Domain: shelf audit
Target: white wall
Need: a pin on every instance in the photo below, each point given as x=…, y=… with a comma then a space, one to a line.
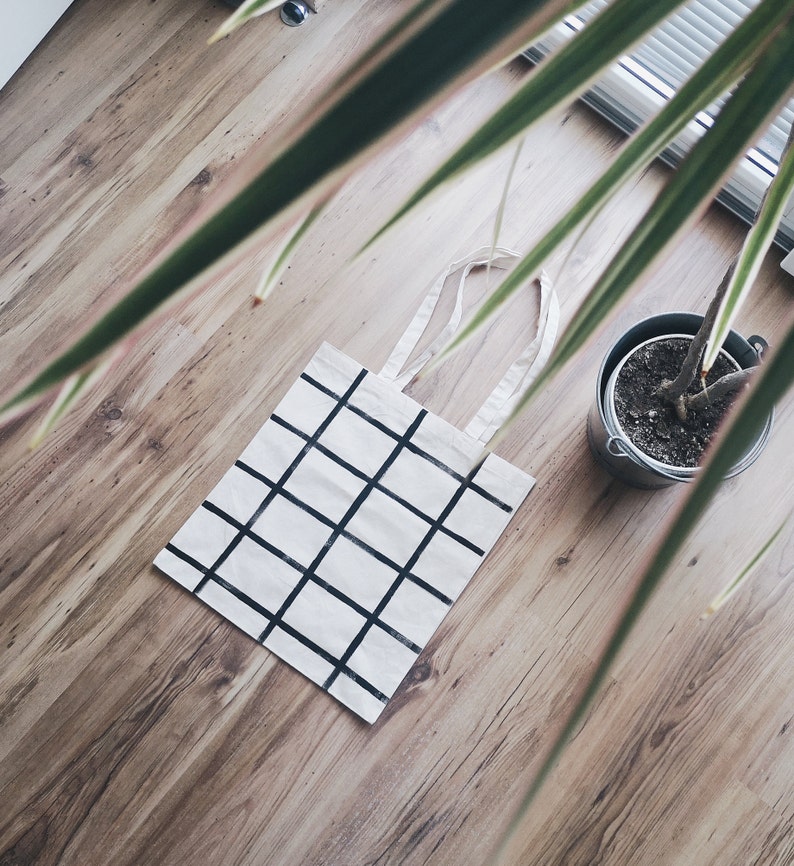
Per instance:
x=25, y=23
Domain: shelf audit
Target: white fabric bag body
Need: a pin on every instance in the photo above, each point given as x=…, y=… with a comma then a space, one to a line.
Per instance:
x=351, y=522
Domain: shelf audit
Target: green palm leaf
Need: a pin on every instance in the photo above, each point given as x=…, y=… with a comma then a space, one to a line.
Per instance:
x=717, y=74
x=73, y=390
x=250, y=9
x=500, y=210
x=756, y=244
x=555, y=82
x=733, y=587
x=273, y=273
x=681, y=201
x=462, y=40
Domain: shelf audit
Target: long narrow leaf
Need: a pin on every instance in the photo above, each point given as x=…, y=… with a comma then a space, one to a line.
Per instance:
x=736, y=583
x=756, y=244
x=274, y=272
x=72, y=391
x=250, y=9
x=462, y=41
x=500, y=210
x=682, y=200
x=557, y=81
x=714, y=77
x=776, y=378
x=400, y=32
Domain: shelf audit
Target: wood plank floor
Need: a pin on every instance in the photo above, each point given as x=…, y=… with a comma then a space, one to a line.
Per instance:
x=138, y=727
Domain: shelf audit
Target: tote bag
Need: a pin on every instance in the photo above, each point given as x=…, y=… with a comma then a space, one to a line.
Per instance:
x=352, y=521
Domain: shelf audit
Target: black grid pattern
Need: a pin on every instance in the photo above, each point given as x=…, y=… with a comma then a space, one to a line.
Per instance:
x=368, y=618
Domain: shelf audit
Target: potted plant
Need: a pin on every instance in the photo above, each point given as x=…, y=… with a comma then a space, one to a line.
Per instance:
x=653, y=416
x=667, y=383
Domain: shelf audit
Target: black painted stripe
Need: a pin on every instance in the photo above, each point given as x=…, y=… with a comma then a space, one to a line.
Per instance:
x=324, y=519
x=355, y=643
x=285, y=476
x=420, y=452
x=346, y=518
x=460, y=539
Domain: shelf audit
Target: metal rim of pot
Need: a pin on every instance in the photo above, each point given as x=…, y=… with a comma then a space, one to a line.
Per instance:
x=631, y=465
x=620, y=444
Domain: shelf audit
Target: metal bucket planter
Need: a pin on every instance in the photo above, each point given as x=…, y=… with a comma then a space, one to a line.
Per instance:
x=610, y=446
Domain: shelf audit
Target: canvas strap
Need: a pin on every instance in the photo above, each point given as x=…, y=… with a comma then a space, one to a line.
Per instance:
x=505, y=396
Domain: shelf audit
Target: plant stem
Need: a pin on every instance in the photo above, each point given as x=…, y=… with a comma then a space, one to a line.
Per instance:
x=674, y=390
x=725, y=385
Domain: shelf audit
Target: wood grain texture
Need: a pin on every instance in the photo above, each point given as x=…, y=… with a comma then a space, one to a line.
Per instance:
x=138, y=727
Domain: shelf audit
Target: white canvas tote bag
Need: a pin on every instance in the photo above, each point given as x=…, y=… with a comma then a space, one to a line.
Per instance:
x=348, y=526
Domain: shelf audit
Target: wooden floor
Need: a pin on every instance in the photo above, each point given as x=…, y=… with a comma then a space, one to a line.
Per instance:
x=136, y=727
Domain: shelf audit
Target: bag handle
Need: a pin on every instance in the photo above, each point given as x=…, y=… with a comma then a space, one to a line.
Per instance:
x=503, y=399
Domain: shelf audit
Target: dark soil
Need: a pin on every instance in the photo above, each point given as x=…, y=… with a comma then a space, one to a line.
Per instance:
x=651, y=423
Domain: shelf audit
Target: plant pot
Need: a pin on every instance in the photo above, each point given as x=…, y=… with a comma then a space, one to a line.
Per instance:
x=610, y=445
